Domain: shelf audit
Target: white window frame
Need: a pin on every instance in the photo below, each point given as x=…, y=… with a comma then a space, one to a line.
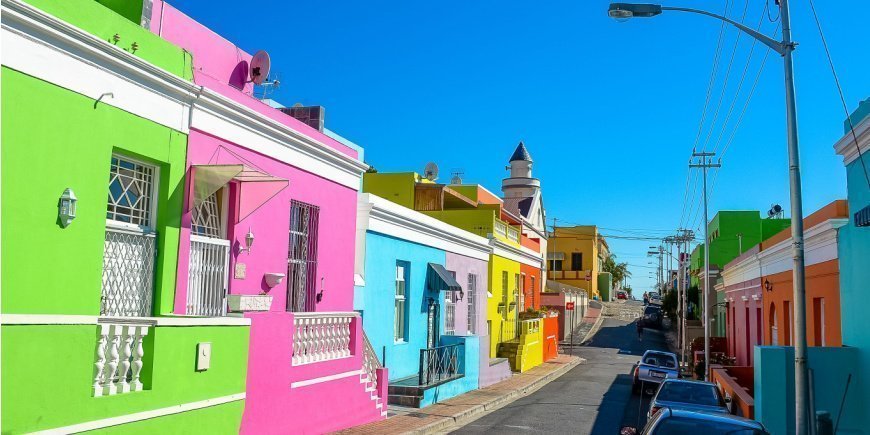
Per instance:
x=222, y=197
x=400, y=334
x=471, y=296
x=152, y=209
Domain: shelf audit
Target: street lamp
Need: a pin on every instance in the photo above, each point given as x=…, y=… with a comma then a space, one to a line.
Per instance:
x=624, y=11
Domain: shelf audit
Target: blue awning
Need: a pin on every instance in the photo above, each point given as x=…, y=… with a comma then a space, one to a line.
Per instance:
x=442, y=279
x=862, y=217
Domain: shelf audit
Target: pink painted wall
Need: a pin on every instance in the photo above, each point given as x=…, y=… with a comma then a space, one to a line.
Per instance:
x=463, y=266
x=736, y=329
x=222, y=66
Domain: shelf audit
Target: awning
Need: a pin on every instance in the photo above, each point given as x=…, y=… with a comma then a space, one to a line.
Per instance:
x=441, y=279
x=555, y=255
x=255, y=187
x=862, y=217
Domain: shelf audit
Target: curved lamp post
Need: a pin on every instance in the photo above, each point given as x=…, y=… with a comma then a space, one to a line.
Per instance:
x=624, y=11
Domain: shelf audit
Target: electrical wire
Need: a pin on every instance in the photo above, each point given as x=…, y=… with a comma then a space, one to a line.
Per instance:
x=839, y=90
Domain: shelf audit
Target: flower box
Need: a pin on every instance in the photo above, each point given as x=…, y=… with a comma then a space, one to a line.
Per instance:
x=240, y=303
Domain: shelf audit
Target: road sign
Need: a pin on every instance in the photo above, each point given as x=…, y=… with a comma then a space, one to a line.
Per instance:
x=589, y=276
x=569, y=306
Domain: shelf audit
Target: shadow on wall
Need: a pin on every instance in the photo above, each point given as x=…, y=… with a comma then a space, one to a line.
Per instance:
x=239, y=76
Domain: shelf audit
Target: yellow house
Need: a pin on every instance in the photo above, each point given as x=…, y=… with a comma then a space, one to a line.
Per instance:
x=576, y=257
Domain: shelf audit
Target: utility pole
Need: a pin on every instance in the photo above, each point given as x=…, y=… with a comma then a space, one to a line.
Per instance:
x=705, y=162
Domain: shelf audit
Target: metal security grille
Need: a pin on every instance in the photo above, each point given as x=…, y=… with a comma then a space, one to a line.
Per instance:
x=302, y=258
x=207, y=276
x=130, y=192
x=450, y=314
x=439, y=364
x=128, y=273
x=471, y=295
x=206, y=219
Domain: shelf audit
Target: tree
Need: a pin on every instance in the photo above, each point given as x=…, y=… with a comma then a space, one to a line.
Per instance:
x=619, y=271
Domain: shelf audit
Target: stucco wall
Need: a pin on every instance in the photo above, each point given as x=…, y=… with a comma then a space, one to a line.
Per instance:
x=745, y=327
x=403, y=358
x=495, y=316
x=469, y=361
x=822, y=281
x=464, y=266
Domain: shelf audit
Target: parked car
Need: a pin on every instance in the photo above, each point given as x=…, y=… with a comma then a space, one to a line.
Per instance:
x=687, y=394
x=654, y=298
x=652, y=316
x=622, y=295
x=670, y=421
x=654, y=367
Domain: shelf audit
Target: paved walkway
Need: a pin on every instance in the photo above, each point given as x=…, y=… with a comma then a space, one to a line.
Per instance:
x=464, y=408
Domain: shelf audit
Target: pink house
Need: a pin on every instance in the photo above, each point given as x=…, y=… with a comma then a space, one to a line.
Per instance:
x=268, y=232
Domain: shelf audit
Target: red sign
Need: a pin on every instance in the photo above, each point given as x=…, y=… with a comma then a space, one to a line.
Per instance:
x=569, y=306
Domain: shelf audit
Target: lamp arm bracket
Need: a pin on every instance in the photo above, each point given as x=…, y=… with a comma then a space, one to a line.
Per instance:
x=777, y=46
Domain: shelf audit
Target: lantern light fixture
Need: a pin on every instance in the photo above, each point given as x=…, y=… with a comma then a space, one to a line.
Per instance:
x=67, y=207
x=249, y=241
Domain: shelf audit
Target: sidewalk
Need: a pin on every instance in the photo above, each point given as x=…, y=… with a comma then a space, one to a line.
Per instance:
x=591, y=321
x=469, y=406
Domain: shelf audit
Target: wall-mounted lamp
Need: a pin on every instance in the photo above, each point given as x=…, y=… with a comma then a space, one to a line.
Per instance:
x=66, y=209
x=768, y=286
x=249, y=241
x=319, y=296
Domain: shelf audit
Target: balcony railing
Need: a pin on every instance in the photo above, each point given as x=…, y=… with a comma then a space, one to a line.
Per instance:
x=370, y=361
x=439, y=364
x=513, y=234
x=207, y=277
x=509, y=330
x=119, y=357
x=530, y=326
x=321, y=337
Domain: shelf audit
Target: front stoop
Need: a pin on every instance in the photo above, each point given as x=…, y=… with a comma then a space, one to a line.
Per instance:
x=370, y=386
x=462, y=409
x=405, y=392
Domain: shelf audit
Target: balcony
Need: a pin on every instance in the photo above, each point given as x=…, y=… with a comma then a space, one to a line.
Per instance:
x=501, y=230
x=568, y=274
x=319, y=337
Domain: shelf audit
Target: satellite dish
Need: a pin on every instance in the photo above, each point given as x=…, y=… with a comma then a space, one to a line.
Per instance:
x=431, y=171
x=260, y=64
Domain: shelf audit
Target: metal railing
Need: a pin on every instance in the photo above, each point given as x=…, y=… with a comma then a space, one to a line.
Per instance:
x=321, y=336
x=128, y=273
x=207, y=276
x=438, y=364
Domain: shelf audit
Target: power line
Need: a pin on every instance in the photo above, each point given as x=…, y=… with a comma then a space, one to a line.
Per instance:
x=840, y=91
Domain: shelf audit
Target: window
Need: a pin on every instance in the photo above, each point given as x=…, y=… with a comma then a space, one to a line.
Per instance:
x=400, y=305
x=302, y=258
x=450, y=310
x=130, y=243
x=521, y=302
x=576, y=261
x=819, y=321
x=207, y=219
x=471, y=298
x=556, y=265
x=209, y=258
x=533, y=291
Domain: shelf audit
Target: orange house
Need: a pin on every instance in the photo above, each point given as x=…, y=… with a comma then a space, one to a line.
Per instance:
x=822, y=271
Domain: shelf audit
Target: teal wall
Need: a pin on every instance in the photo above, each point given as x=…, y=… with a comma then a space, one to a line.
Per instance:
x=854, y=252
x=469, y=363
x=831, y=366
x=402, y=359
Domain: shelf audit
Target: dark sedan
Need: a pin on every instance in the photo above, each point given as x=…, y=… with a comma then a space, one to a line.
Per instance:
x=687, y=394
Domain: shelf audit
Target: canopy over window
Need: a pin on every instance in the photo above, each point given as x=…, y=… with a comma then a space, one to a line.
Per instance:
x=862, y=217
x=255, y=187
x=442, y=279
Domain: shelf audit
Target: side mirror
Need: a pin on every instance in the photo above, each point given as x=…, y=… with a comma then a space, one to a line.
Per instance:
x=628, y=430
x=727, y=399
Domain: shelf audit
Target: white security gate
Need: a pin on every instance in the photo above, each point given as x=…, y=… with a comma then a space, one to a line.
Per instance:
x=207, y=278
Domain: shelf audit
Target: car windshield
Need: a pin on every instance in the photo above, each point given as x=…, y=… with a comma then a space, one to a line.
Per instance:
x=694, y=426
x=689, y=392
x=661, y=360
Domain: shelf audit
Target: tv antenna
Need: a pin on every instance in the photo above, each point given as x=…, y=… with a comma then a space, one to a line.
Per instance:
x=457, y=176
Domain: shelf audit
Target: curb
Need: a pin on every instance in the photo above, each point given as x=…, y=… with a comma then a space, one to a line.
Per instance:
x=478, y=411
x=594, y=328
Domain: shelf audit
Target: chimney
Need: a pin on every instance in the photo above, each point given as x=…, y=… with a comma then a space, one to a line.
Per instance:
x=311, y=115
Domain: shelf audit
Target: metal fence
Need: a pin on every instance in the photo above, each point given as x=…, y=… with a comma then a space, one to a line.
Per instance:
x=207, y=276
x=128, y=273
x=438, y=364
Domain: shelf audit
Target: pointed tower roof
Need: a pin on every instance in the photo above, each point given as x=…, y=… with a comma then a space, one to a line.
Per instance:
x=521, y=153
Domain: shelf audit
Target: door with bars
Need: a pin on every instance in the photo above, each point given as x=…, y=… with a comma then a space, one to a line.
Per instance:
x=302, y=257
x=209, y=258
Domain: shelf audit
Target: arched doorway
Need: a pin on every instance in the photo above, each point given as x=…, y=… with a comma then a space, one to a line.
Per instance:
x=773, y=325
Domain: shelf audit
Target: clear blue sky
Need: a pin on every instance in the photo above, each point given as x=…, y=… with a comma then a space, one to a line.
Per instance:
x=609, y=111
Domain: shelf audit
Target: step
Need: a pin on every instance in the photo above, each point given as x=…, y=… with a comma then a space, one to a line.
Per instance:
x=405, y=400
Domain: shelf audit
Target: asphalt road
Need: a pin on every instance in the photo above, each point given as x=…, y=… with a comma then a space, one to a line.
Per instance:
x=592, y=398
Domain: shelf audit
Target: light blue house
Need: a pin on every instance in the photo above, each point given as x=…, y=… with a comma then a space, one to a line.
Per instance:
x=415, y=311
x=839, y=374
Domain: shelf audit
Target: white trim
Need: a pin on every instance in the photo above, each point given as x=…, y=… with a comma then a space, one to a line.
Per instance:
x=323, y=379
x=746, y=270
x=846, y=145
x=820, y=245
x=383, y=216
x=513, y=253
x=145, y=415
x=64, y=319
x=52, y=50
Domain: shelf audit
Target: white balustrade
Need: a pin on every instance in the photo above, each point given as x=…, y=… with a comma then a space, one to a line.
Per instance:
x=118, y=358
x=500, y=228
x=513, y=234
x=321, y=337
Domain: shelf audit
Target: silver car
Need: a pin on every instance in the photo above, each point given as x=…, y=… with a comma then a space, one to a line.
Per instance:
x=687, y=394
x=654, y=367
x=683, y=422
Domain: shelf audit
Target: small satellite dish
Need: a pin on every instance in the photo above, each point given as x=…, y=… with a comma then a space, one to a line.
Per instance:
x=431, y=171
x=260, y=64
x=775, y=210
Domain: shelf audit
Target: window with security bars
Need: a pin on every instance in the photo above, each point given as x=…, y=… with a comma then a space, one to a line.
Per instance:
x=504, y=293
x=471, y=298
x=400, y=305
x=206, y=218
x=302, y=258
x=209, y=259
x=130, y=242
x=450, y=300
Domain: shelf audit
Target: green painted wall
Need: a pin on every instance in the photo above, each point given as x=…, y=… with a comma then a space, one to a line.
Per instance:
x=104, y=23
x=54, y=139
x=48, y=371
x=396, y=187
x=605, y=285
x=220, y=419
x=129, y=9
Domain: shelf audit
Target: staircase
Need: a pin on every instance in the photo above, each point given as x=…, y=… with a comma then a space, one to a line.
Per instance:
x=511, y=351
x=368, y=376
